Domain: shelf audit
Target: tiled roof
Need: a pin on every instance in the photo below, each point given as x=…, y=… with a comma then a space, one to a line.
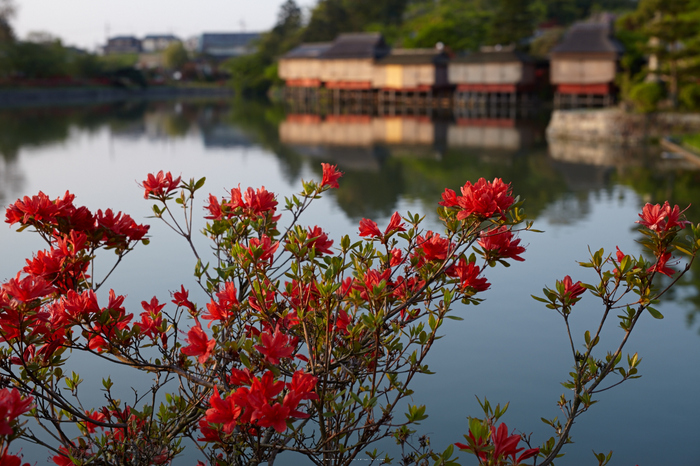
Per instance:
x=235, y=39
x=308, y=50
x=505, y=56
x=414, y=56
x=589, y=37
x=357, y=45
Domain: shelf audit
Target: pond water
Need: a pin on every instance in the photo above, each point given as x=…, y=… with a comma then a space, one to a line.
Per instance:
x=509, y=349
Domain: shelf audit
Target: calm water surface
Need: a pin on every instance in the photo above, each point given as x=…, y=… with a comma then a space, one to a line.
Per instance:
x=509, y=349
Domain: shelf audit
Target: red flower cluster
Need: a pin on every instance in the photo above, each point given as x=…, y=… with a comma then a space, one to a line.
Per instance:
x=73, y=229
x=224, y=307
x=318, y=240
x=483, y=199
x=258, y=404
x=468, y=273
x=370, y=228
x=276, y=345
x=158, y=186
x=251, y=204
x=432, y=247
x=330, y=175
x=12, y=406
x=199, y=345
x=505, y=447
x=662, y=218
x=498, y=243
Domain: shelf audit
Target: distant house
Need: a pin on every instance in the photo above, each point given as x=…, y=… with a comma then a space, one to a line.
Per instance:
x=493, y=71
x=349, y=62
x=122, y=44
x=227, y=45
x=411, y=70
x=585, y=62
x=301, y=66
x=158, y=43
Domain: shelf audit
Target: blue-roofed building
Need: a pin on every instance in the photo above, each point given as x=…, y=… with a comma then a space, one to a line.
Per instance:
x=227, y=45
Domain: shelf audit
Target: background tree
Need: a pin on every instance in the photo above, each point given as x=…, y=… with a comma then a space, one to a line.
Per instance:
x=512, y=22
x=670, y=31
x=7, y=12
x=175, y=56
x=459, y=24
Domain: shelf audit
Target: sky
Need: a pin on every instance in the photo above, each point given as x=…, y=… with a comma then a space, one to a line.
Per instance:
x=87, y=23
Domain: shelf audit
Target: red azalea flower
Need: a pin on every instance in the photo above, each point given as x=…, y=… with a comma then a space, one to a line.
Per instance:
x=27, y=289
x=498, y=244
x=6, y=459
x=199, y=345
x=434, y=247
x=11, y=407
x=449, y=199
x=260, y=202
x=209, y=433
x=38, y=208
x=572, y=291
x=274, y=416
x=240, y=377
x=159, y=185
x=226, y=306
x=276, y=346
x=97, y=416
x=370, y=280
x=369, y=228
x=181, y=298
x=396, y=257
x=62, y=458
x=330, y=175
x=300, y=388
x=395, y=224
x=661, y=265
x=214, y=208
x=223, y=411
x=483, y=199
x=468, y=273
x=265, y=245
x=319, y=241
x=661, y=218
x=264, y=299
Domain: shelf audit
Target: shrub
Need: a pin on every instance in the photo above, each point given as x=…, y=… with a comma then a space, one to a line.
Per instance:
x=646, y=96
x=690, y=96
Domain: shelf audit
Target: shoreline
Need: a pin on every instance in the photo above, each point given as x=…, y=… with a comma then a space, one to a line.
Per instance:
x=10, y=98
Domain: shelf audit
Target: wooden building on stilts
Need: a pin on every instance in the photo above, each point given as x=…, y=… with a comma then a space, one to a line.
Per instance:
x=347, y=70
x=584, y=64
x=492, y=78
x=411, y=80
x=300, y=69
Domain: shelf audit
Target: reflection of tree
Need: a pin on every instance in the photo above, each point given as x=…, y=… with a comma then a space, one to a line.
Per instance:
x=32, y=128
x=261, y=122
x=532, y=175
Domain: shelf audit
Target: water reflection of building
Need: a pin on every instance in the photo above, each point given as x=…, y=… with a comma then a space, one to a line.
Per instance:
x=489, y=133
x=361, y=141
x=400, y=136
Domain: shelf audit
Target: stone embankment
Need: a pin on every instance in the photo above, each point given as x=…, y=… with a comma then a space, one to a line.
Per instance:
x=617, y=126
x=89, y=95
x=612, y=137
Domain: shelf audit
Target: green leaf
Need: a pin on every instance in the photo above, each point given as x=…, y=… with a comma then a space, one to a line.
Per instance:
x=654, y=313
